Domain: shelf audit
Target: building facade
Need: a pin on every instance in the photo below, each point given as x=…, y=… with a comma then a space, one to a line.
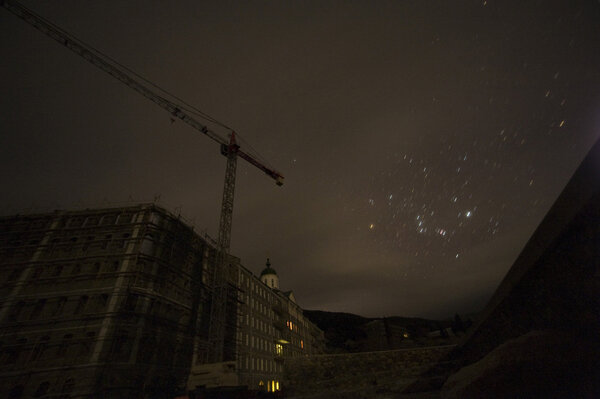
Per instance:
x=99, y=303
x=271, y=328
x=115, y=303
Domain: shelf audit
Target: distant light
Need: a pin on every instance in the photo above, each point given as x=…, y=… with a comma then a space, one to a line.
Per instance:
x=456, y=256
x=468, y=214
x=562, y=123
x=371, y=226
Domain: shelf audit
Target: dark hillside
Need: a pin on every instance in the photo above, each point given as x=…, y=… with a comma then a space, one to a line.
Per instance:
x=347, y=332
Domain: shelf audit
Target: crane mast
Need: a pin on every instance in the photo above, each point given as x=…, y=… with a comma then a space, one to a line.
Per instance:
x=229, y=148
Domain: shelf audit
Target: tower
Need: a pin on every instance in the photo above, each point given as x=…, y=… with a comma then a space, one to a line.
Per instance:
x=269, y=276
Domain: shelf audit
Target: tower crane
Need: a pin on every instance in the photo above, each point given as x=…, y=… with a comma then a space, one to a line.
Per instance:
x=229, y=148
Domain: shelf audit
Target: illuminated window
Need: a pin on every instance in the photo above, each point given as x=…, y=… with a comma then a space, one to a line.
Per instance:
x=279, y=349
x=302, y=344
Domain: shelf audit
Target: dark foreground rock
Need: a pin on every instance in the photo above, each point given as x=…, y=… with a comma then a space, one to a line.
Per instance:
x=539, y=364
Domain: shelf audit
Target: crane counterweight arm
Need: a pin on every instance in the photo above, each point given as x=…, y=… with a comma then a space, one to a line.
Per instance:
x=270, y=172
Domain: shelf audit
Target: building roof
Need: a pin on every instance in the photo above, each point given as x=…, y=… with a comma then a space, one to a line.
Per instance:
x=268, y=269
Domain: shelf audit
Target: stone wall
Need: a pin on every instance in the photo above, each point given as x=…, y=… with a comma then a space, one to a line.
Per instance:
x=358, y=374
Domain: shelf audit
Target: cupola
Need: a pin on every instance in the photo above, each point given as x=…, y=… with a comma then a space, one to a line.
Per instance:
x=269, y=276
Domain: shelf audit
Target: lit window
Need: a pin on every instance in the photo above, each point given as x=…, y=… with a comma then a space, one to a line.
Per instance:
x=279, y=349
x=302, y=344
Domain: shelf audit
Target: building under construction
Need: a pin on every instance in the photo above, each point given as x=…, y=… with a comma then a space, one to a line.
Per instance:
x=116, y=303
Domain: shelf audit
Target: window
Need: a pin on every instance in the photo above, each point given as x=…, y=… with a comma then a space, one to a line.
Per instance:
x=37, y=310
x=124, y=218
x=37, y=273
x=57, y=271
x=131, y=302
x=106, y=241
x=40, y=348
x=108, y=220
x=102, y=301
x=115, y=266
x=42, y=389
x=10, y=355
x=147, y=346
x=68, y=385
x=62, y=349
x=86, y=345
x=16, y=311
x=119, y=345
x=60, y=304
x=124, y=240
x=91, y=221
x=14, y=275
x=88, y=242
x=76, y=269
x=16, y=392
x=72, y=242
x=81, y=304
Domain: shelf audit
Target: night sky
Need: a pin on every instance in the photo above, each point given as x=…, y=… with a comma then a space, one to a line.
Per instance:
x=422, y=142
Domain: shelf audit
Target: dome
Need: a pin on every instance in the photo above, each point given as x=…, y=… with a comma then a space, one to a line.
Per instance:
x=268, y=269
x=269, y=276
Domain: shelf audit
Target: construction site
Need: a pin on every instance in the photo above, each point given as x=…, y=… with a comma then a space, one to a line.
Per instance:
x=117, y=303
x=132, y=302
